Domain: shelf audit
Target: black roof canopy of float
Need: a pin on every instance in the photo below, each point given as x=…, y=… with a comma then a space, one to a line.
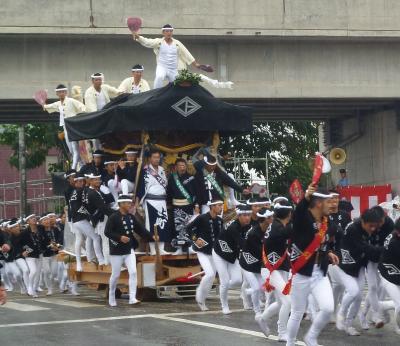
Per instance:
x=172, y=107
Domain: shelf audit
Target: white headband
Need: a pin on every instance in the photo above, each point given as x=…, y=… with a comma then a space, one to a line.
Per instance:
x=241, y=212
x=209, y=203
x=321, y=195
x=205, y=159
x=266, y=214
x=108, y=162
x=70, y=175
x=61, y=89
x=92, y=176
x=93, y=76
x=280, y=198
x=137, y=69
x=256, y=202
x=79, y=178
x=131, y=152
x=280, y=206
x=162, y=29
x=124, y=200
x=10, y=225
x=29, y=216
x=44, y=217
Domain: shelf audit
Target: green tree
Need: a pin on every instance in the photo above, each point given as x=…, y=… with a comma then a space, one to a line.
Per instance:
x=288, y=146
x=39, y=138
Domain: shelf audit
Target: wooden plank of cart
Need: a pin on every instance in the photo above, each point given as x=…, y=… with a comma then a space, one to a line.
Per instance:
x=178, y=278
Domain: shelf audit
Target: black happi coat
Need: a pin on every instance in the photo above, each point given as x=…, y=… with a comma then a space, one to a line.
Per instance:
x=32, y=241
x=67, y=194
x=78, y=213
x=356, y=249
x=206, y=228
x=95, y=205
x=378, y=237
x=340, y=220
x=128, y=173
x=124, y=225
x=202, y=189
x=53, y=235
x=304, y=230
x=173, y=191
x=229, y=241
x=251, y=255
x=389, y=265
x=276, y=242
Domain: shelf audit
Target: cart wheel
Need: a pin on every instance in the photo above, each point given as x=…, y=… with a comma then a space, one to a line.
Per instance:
x=146, y=294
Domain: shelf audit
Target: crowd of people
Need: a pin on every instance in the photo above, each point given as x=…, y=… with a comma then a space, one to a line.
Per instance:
x=288, y=261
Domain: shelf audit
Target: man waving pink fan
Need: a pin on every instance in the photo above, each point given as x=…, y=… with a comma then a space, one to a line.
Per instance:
x=172, y=55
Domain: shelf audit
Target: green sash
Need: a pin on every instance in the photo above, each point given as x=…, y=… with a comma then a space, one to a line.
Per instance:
x=181, y=188
x=214, y=183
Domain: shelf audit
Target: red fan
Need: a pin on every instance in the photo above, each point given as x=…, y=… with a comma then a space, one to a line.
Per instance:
x=318, y=165
x=206, y=68
x=40, y=96
x=134, y=23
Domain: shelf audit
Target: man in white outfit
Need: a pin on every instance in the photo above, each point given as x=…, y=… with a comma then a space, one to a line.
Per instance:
x=67, y=107
x=172, y=55
x=99, y=94
x=135, y=84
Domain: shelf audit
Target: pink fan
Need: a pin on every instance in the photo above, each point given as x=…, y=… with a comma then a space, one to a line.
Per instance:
x=134, y=23
x=206, y=68
x=40, y=96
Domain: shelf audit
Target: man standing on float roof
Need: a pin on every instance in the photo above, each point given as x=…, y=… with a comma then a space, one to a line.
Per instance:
x=172, y=55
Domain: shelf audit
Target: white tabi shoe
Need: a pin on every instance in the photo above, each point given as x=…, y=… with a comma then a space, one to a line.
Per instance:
x=351, y=331
x=310, y=341
x=262, y=324
x=134, y=302
x=363, y=321
x=202, y=306
x=226, y=311
x=340, y=325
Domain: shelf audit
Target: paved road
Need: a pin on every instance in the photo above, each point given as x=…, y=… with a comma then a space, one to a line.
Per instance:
x=86, y=320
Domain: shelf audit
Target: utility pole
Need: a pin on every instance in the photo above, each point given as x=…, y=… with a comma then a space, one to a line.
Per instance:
x=22, y=169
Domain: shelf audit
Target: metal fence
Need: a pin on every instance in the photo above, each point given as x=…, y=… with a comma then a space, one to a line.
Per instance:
x=40, y=198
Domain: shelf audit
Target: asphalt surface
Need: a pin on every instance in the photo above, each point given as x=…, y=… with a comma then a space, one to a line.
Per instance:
x=87, y=320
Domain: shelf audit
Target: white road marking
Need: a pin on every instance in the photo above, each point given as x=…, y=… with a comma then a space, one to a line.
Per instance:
x=23, y=307
x=69, y=303
x=126, y=317
x=221, y=327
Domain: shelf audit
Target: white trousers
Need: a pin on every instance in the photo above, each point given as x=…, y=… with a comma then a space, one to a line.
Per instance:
x=163, y=73
x=302, y=286
x=114, y=189
x=14, y=274
x=126, y=186
x=73, y=148
x=116, y=265
x=23, y=267
x=229, y=275
x=336, y=283
x=84, y=228
x=208, y=265
x=394, y=293
x=34, y=266
x=373, y=287
x=49, y=268
x=282, y=302
x=4, y=276
x=352, y=298
x=100, y=227
x=255, y=282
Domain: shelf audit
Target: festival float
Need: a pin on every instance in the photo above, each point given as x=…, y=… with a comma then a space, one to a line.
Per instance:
x=179, y=119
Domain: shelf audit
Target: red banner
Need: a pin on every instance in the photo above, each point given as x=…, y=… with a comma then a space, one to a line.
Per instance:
x=296, y=191
x=364, y=197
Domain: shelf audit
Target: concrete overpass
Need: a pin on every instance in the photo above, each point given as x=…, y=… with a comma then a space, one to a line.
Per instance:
x=289, y=59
